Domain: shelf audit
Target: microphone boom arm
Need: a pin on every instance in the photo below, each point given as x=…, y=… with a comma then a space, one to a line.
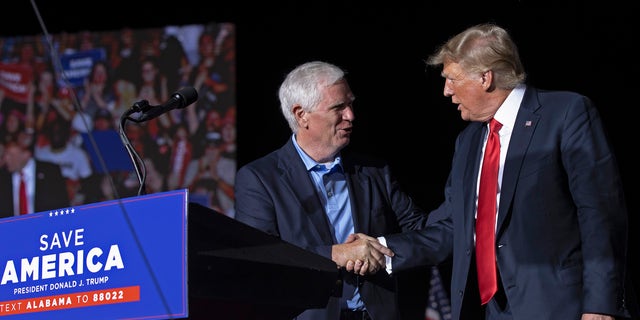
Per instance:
x=138, y=163
x=179, y=99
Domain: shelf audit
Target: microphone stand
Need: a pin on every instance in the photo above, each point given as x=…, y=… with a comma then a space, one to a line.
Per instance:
x=179, y=99
x=138, y=163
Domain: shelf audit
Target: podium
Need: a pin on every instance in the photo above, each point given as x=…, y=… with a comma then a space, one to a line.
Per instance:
x=239, y=272
x=155, y=256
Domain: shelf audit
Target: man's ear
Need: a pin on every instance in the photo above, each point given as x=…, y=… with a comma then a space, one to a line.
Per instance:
x=487, y=80
x=301, y=115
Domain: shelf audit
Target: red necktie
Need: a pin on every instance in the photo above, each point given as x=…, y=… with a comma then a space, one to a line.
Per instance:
x=486, y=216
x=23, y=195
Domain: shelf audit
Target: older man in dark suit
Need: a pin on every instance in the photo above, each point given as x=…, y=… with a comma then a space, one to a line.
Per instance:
x=558, y=225
x=314, y=194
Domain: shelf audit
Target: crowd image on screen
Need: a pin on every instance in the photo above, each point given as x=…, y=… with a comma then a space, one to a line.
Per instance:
x=74, y=87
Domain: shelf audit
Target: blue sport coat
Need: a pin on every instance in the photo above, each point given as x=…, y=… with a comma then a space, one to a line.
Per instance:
x=276, y=195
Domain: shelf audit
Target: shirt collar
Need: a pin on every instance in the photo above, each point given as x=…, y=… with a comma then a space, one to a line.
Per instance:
x=508, y=111
x=29, y=168
x=312, y=165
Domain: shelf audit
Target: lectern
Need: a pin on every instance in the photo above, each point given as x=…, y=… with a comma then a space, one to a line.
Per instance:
x=156, y=256
x=238, y=272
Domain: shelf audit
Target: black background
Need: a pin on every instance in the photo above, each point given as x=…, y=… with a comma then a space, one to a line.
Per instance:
x=401, y=113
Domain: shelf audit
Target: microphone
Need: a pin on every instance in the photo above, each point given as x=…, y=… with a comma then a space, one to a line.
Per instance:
x=179, y=99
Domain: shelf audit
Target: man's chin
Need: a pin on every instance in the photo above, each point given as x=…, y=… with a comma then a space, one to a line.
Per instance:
x=344, y=141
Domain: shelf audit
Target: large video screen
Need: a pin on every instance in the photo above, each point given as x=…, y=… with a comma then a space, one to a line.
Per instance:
x=67, y=93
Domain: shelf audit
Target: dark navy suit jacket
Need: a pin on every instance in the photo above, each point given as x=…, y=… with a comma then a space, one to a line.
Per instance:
x=561, y=234
x=51, y=189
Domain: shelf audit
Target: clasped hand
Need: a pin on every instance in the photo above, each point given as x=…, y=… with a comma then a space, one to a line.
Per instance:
x=361, y=254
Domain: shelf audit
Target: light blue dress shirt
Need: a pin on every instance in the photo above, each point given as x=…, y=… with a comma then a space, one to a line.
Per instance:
x=331, y=186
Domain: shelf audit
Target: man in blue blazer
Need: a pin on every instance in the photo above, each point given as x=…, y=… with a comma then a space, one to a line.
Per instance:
x=316, y=195
x=561, y=219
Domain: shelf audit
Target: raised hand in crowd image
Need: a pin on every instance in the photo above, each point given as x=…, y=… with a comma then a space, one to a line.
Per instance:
x=555, y=244
x=97, y=92
x=315, y=193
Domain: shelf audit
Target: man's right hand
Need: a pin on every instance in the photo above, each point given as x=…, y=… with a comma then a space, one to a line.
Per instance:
x=361, y=254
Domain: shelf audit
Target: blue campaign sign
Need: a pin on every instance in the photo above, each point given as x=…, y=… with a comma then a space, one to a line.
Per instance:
x=119, y=259
x=77, y=66
x=110, y=148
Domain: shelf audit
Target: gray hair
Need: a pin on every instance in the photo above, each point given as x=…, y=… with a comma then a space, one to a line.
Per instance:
x=303, y=86
x=481, y=48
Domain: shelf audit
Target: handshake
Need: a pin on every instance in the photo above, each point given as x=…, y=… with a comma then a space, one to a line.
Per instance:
x=361, y=254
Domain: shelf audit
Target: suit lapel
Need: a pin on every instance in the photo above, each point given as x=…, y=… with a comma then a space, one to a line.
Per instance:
x=40, y=179
x=471, y=172
x=304, y=193
x=359, y=195
x=523, y=129
x=6, y=192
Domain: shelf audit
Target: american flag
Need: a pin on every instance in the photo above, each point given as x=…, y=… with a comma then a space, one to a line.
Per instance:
x=438, y=307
